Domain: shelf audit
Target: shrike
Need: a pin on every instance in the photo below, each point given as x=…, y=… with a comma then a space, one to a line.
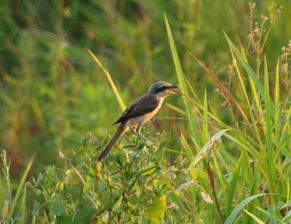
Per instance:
x=140, y=112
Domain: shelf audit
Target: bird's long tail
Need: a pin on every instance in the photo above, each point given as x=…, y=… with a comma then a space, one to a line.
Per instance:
x=118, y=133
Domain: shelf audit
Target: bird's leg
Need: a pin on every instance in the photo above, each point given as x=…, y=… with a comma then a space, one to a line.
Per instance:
x=136, y=131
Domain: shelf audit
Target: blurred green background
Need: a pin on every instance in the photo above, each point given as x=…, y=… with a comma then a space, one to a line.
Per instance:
x=52, y=92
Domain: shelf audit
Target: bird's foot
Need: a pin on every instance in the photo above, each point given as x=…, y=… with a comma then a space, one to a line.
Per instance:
x=147, y=142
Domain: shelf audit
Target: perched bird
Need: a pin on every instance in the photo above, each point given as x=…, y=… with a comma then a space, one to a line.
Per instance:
x=140, y=112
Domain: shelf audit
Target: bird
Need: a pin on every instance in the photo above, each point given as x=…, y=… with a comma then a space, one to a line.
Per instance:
x=140, y=112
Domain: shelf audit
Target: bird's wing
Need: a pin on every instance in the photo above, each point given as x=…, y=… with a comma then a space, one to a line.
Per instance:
x=143, y=105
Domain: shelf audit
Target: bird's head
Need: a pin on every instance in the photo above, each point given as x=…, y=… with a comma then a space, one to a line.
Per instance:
x=162, y=89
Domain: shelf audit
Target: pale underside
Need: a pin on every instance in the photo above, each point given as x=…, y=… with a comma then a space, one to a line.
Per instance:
x=138, y=122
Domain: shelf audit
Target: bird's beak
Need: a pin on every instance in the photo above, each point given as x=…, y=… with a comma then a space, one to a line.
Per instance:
x=170, y=89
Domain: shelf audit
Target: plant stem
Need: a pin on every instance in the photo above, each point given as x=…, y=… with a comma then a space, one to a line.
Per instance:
x=211, y=178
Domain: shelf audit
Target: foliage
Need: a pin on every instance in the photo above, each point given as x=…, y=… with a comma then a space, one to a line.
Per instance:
x=224, y=154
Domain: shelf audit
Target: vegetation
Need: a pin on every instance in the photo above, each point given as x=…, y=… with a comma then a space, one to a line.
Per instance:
x=222, y=148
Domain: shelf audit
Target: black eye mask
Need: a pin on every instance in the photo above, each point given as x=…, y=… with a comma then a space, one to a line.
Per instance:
x=165, y=87
x=161, y=89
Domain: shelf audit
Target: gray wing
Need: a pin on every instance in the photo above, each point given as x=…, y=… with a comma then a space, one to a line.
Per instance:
x=144, y=105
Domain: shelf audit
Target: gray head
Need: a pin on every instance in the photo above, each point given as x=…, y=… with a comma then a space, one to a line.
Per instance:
x=162, y=88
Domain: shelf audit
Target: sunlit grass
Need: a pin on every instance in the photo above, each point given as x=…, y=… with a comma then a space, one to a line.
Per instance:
x=116, y=92
x=222, y=149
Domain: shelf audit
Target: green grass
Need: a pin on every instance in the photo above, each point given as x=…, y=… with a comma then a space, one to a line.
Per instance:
x=222, y=148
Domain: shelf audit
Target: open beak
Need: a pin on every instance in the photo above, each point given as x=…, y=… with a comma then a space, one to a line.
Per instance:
x=170, y=89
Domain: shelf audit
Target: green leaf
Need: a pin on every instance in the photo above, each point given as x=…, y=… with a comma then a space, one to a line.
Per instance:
x=133, y=201
x=149, y=171
x=231, y=218
x=118, y=205
x=36, y=208
x=175, y=197
x=197, y=173
x=89, y=181
x=207, y=147
x=58, y=208
x=156, y=210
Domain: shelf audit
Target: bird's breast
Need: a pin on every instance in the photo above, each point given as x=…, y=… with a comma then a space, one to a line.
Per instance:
x=158, y=107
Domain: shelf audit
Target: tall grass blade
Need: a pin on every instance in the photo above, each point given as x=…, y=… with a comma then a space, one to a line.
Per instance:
x=20, y=188
x=257, y=219
x=267, y=107
x=255, y=95
x=248, y=68
x=227, y=94
x=277, y=120
x=207, y=147
x=287, y=217
x=108, y=76
x=233, y=184
x=269, y=214
x=186, y=146
x=254, y=91
x=231, y=218
x=205, y=120
x=23, y=204
x=270, y=152
x=182, y=83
